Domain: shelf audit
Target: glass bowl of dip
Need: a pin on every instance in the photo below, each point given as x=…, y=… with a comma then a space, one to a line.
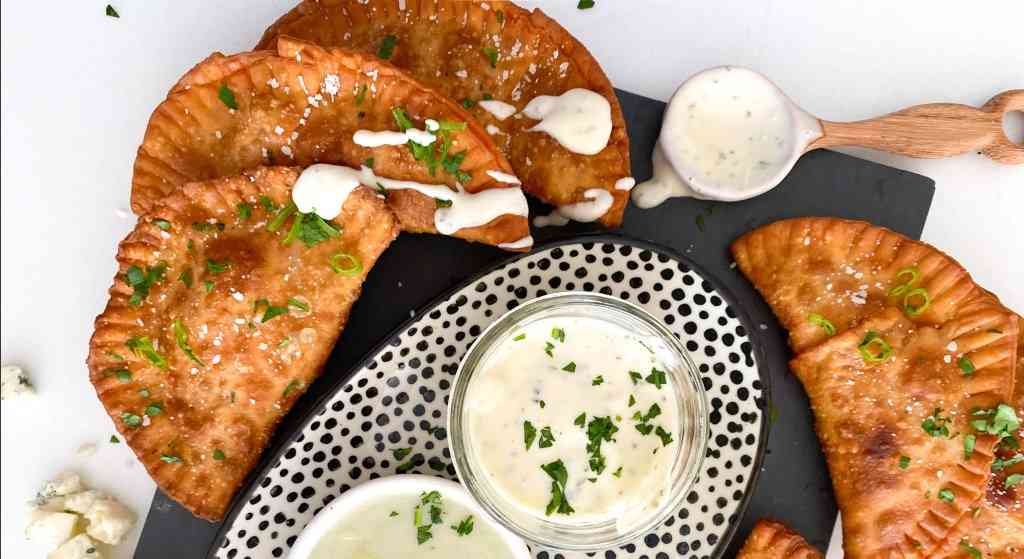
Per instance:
x=406, y=516
x=578, y=421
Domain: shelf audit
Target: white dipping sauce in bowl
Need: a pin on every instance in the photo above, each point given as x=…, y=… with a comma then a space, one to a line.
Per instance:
x=728, y=134
x=578, y=421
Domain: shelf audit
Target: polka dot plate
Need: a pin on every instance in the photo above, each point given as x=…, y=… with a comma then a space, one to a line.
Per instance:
x=397, y=398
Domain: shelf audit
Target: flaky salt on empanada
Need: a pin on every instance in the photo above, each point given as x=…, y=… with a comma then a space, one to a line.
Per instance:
x=908, y=415
x=485, y=51
x=302, y=104
x=225, y=307
x=823, y=275
x=774, y=540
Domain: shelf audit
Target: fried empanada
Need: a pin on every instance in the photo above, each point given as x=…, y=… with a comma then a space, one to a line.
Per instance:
x=774, y=540
x=897, y=404
x=224, y=309
x=822, y=276
x=302, y=104
x=485, y=51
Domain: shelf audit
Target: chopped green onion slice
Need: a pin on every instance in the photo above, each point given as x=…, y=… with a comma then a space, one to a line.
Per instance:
x=825, y=323
x=492, y=55
x=387, y=47
x=908, y=301
x=227, y=96
x=966, y=365
x=345, y=264
x=873, y=348
x=181, y=336
x=281, y=216
x=914, y=274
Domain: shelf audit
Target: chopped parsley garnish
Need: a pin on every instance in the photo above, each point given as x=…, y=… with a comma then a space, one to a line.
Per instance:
x=208, y=286
x=969, y=443
x=632, y=400
x=131, y=420
x=267, y=204
x=352, y=265
x=824, y=323
x=699, y=220
x=529, y=434
x=114, y=439
x=600, y=429
x=181, y=336
x=301, y=305
x=227, y=96
x=204, y=227
x=442, y=203
x=585, y=4
x=311, y=229
x=946, y=495
x=970, y=550
x=467, y=103
x=519, y=338
x=492, y=55
x=558, y=334
x=657, y=378
x=966, y=365
x=111, y=12
x=1012, y=480
x=644, y=426
x=570, y=367
x=541, y=404
x=185, y=277
x=581, y=420
x=635, y=377
x=361, y=96
x=465, y=527
x=214, y=267
x=936, y=425
x=244, y=210
x=1000, y=464
x=368, y=163
x=393, y=514
x=873, y=348
x=387, y=47
x=271, y=310
x=142, y=346
x=163, y=224
x=598, y=381
x=141, y=281
x=559, y=476
x=548, y=347
x=618, y=472
x=292, y=387
x=1001, y=422
x=170, y=459
x=154, y=409
x=664, y=435
x=423, y=534
x=400, y=453
x=904, y=462
x=218, y=454
x=405, y=467
x=547, y=438
x=122, y=374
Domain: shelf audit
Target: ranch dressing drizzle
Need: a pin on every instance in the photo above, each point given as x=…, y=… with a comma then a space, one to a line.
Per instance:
x=324, y=189
x=560, y=374
x=552, y=219
x=625, y=183
x=728, y=134
x=499, y=109
x=579, y=119
x=597, y=203
x=373, y=139
x=525, y=242
x=503, y=177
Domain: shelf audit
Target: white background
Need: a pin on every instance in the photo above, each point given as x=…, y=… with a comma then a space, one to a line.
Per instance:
x=78, y=88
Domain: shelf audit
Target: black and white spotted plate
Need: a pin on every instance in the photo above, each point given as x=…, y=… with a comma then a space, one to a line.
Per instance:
x=397, y=398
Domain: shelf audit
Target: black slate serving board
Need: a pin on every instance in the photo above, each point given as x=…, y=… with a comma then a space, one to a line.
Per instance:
x=794, y=485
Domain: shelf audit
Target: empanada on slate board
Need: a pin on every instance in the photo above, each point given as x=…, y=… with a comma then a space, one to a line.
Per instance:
x=216, y=324
x=893, y=401
x=773, y=540
x=448, y=45
x=301, y=104
x=841, y=271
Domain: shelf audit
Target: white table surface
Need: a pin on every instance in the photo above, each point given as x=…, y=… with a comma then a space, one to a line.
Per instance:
x=78, y=88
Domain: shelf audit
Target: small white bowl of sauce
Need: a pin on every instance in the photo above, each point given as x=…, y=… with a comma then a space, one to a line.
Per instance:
x=578, y=421
x=406, y=516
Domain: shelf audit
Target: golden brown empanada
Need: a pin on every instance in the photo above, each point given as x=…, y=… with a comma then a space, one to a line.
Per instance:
x=774, y=540
x=894, y=401
x=476, y=51
x=224, y=308
x=301, y=104
x=823, y=275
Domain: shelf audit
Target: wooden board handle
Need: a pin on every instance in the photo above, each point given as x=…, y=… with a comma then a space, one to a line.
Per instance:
x=934, y=130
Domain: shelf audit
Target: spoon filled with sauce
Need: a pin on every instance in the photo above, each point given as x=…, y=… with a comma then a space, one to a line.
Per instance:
x=730, y=134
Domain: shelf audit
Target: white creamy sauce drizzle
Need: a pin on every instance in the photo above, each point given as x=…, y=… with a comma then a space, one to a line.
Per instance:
x=324, y=189
x=597, y=204
x=373, y=139
x=519, y=374
x=371, y=531
x=552, y=219
x=579, y=119
x=625, y=183
x=728, y=134
x=500, y=109
x=525, y=242
x=503, y=177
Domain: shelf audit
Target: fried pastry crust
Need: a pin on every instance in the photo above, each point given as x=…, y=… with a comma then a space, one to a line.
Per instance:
x=446, y=45
x=300, y=104
x=843, y=271
x=216, y=325
x=771, y=539
x=893, y=423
